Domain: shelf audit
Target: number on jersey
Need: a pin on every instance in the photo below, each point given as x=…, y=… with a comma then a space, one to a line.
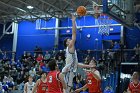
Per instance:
x=50, y=79
x=89, y=82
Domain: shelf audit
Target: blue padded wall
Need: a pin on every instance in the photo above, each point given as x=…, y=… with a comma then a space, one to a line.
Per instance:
x=6, y=42
x=29, y=37
x=132, y=37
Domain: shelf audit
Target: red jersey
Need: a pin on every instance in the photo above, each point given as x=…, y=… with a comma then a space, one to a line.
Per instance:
x=54, y=84
x=134, y=88
x=93, y=84
x=42, y=87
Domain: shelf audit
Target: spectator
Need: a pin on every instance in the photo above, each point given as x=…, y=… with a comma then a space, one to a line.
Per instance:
x=47, y=56
x=10, y=83
x=5, y=86
x=9, y=78
x=42, y=64
x=5, y=57
x=1, y=88
x=20, y=77
x=24, y=56
x=89, y=53
x=137, y=52
x=18, y=65
x=53, y=55
x=29, y=57
x=60, y=62
x=5, y=79
x=21, y=86
x=87, y=59
x=39, y=58
x=111, y=45
x=116, y=46
x=14, y=73
x=32, y=72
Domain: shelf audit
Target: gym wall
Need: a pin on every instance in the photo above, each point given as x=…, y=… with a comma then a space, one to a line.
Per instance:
x=28, y=37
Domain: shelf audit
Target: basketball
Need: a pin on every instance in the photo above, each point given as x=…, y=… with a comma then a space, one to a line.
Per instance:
x=81, y=11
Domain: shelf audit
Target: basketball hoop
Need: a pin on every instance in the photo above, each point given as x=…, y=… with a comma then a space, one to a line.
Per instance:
x=104, y=23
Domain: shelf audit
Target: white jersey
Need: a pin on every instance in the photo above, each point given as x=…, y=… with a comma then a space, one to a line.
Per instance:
x=71, y=61
x=30, y=87
x=70, y=67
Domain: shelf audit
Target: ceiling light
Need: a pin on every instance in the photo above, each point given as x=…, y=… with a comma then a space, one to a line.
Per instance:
x=30, y=7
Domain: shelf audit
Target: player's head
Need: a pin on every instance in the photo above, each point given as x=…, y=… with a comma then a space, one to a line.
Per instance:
x=43, y=74
x=52, y=65
x=92, y=63
x=66, y=42
x=135, y=76
x=30, y=78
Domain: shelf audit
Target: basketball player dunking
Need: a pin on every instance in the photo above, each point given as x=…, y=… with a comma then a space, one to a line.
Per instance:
x=71, y=58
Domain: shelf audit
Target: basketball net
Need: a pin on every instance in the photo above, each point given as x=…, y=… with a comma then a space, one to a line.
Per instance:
x=102, y=21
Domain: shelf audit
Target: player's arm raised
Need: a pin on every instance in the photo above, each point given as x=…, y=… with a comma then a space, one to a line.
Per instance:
x=72, y=43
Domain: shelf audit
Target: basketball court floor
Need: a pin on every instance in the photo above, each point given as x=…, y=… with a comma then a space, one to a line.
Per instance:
x=107, y=31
